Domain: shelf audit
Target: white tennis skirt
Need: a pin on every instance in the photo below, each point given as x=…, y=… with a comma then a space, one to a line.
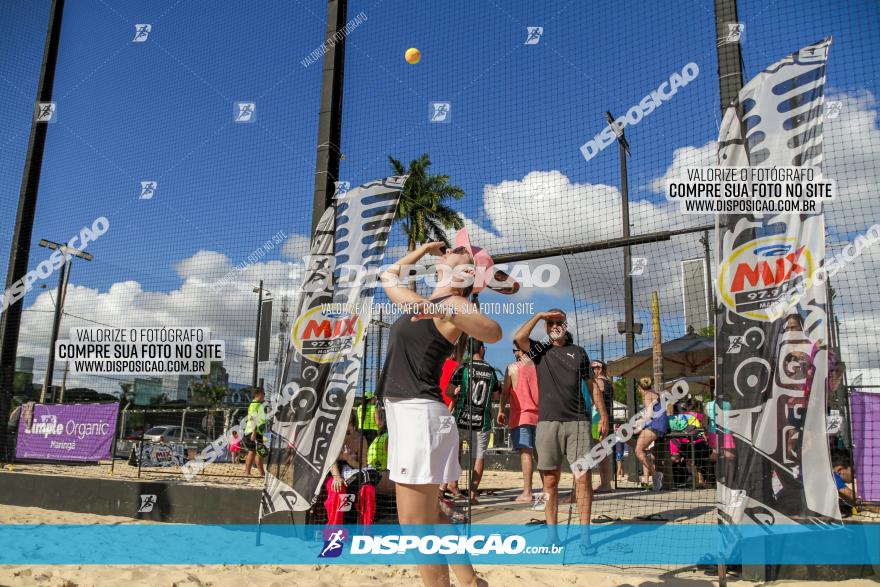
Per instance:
x=422, y=442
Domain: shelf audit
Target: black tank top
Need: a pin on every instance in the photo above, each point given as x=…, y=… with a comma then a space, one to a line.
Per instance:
x=608, y=398
x=414, y=363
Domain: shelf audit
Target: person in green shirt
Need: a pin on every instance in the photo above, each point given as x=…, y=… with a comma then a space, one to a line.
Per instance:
x=366, y=415
x=254, y=431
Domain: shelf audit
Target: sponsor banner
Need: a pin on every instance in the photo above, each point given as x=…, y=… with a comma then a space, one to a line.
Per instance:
x=159, y=454
x=479, y=544
x=327, y=343
x=772, y=328
x=66, y=432
x=755, y=278
x=865, y=410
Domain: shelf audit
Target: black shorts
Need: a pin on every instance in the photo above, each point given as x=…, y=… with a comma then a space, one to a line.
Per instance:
x=250, y=444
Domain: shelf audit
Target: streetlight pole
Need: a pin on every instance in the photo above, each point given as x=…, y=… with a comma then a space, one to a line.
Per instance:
x=259, y=290
x=628, y=326
x=63, y=279
x=710, y=291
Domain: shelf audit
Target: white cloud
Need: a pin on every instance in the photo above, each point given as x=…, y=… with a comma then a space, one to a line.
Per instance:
x=682, y=157
x=296, y=246
x=204, y=299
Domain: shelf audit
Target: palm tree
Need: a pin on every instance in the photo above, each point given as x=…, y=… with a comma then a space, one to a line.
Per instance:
x=422, y=207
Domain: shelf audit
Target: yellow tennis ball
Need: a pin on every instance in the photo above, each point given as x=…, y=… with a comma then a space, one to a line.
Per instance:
x=413, y=55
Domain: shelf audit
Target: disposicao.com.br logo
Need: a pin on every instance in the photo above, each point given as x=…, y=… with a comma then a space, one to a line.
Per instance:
x=469, y=545
x=433, y=544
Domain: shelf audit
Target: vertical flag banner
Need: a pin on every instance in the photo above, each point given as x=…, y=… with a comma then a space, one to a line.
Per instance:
x=320, y=376
x=772, y=330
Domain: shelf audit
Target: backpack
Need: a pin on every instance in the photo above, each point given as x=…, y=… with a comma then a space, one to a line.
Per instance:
x=687, y=423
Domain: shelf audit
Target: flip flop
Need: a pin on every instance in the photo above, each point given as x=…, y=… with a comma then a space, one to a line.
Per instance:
x=605, y=519
x=588, y=549
x=536, y=522
x=650, y=518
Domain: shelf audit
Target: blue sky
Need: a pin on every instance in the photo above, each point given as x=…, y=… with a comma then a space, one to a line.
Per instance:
x=163, y=110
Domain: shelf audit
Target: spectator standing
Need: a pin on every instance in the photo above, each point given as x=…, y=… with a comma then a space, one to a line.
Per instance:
x=254, y=431
x=563, y=430
x=606, y=390
x=521, y=386
x=366, y=415
x=450, y=365
x=477, y=384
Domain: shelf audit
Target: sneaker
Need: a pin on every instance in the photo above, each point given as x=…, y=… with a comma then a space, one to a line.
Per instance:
x=658, y=481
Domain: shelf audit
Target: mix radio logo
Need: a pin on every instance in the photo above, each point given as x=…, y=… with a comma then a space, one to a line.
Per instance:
x=756, y=275
x=325, y=336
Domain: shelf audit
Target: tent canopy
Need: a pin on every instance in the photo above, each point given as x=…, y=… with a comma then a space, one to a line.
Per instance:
x=687, y=356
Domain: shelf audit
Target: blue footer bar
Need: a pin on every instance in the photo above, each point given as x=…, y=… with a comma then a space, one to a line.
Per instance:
x=480, y=544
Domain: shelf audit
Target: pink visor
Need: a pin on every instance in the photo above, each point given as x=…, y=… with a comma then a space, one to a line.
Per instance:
x=485, y=273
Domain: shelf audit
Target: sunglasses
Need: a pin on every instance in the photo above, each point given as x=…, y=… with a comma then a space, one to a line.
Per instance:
x=459, y=251
x=517, y=351
x=554, y=323
x=597, y=366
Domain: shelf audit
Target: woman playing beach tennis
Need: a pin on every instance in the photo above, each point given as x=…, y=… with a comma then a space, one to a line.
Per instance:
x=422, y=435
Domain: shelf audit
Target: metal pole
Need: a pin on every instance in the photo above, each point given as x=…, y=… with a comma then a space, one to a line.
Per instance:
x=64, y=382
x=61, y=313
x=10, y=319
x=710, y=291
x=631, y=465
x=364, y=446
x=603, y=245
x=730, y=82
x=470, y=379
x=118, y=436
x=257, y=337
x=829, y=297
x=330, y=115
x=56, y=325
x=602, y=347
x=379, y=353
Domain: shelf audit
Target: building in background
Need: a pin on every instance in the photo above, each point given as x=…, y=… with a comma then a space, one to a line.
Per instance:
x=147, y=390
x=23, y=384
x=695, y=295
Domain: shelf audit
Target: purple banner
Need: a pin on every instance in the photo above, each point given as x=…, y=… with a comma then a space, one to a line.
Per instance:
x=66, y=432
x=865, y=408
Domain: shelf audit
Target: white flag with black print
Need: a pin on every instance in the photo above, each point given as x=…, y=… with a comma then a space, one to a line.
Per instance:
x=771, y=393
x=327, y=343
